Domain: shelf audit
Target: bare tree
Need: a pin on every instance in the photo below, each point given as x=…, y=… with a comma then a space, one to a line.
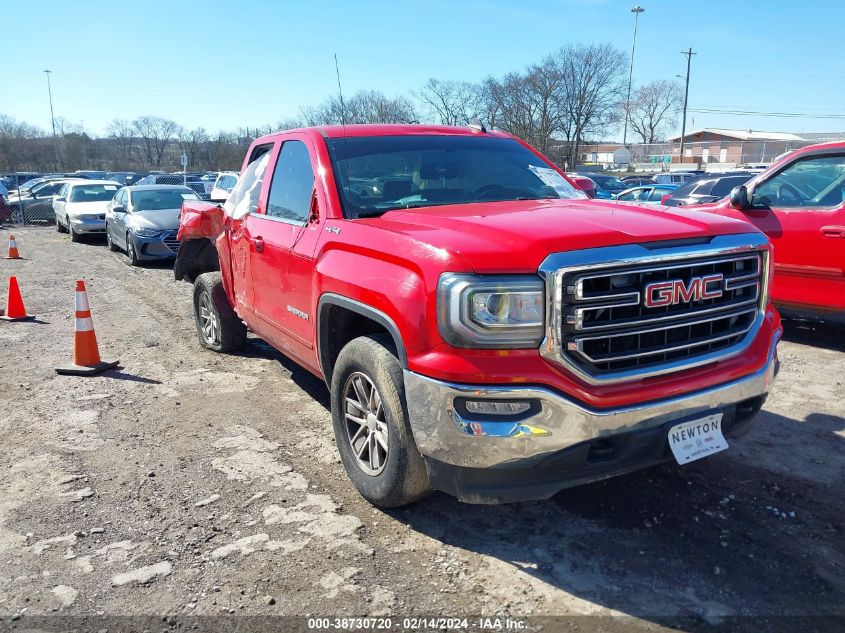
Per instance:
x=23, y=146
x=194, y=144
x=366, y=106
x=122, y=136
x=156, y=134
x=594, y=80
x=450, y=102
x=654, y=107
x=530, y=104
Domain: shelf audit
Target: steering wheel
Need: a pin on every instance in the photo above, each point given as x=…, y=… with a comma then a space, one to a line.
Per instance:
x=792, y=196
x=493, y=192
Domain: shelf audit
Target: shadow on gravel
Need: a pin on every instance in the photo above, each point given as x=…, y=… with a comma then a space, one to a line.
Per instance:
x=120, y=375
x=304, y=379
x=710, y=543
x=814, y=334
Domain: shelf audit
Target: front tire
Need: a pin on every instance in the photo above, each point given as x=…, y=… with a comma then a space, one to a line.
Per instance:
x=74, y=236
x=218, y=327
x=371, y=428
x=131, y=252
x=109, y=242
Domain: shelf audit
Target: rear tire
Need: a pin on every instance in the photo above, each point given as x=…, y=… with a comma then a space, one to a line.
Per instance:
x=59, y=227
x=397, y=476
x=218, y=327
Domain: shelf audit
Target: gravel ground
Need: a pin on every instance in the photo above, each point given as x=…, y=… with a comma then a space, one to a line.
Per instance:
x=189, y=484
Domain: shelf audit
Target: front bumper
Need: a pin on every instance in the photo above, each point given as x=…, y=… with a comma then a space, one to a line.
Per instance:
x=162, y=246
x=88, y=226
x=458, y=447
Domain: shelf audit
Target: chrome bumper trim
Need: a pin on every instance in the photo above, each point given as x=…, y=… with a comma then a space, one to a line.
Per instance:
x=443, y=434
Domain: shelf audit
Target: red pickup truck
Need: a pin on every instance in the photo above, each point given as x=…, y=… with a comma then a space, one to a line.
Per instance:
x=799, y=203
x=483, y=328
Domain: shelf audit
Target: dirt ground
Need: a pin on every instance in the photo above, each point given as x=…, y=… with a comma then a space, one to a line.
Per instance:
x=190, y=484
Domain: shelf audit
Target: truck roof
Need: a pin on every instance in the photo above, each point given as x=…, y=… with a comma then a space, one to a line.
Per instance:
x=392, y=129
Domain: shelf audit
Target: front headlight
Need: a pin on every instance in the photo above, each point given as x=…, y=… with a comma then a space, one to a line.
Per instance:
x=146, y=232
x=502, y=312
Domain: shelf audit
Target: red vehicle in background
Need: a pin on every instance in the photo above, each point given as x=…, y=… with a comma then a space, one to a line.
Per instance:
x=799, y=204
x=583, y=183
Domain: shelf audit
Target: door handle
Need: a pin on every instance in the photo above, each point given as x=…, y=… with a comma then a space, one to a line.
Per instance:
x=257, y=244
x=833, y=231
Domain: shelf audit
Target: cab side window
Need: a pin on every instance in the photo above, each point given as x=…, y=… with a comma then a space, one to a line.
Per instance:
x=293, y=184
x=812, y=182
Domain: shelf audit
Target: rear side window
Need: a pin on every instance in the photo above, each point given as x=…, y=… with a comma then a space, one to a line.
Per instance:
x=657, y=194
x=293, y=184
x=226, y=182
x=723, y=187
x=684, y=190
x=244, y=197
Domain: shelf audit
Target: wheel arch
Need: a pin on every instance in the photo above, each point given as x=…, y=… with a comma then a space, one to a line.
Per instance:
x=341, y=319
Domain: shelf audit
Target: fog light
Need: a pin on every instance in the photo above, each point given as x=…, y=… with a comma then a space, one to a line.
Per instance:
x=496, y=407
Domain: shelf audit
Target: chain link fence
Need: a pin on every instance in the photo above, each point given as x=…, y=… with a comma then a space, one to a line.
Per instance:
x=713, y=155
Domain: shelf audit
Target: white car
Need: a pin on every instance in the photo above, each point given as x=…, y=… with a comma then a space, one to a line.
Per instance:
x=226, y=181
x=80, y=206
x=675, y=178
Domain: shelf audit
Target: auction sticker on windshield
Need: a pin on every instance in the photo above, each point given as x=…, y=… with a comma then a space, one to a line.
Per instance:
x=693, y=440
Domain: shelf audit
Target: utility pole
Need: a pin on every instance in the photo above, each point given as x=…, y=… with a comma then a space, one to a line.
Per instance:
x=636, y=11
x=52, y=117
x=689, y=53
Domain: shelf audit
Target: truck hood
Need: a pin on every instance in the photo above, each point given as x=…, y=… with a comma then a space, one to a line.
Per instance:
x=516, y=236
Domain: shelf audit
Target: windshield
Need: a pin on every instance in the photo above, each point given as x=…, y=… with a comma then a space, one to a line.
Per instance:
x=92, y=193
x=401, y=172
x=161, y=199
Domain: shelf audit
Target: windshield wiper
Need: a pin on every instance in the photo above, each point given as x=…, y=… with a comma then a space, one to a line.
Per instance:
x=374, y=213
x=370, y=213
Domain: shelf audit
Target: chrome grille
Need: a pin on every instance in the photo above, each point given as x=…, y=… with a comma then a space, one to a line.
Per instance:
x=602, y=327
x=171, y=242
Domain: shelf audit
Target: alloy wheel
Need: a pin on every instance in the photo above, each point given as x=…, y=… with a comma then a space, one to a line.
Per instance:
x=366, y=428
x=208, y=321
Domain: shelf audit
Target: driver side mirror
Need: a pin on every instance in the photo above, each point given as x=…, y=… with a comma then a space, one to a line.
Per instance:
x=61, y=199
x=119, y=209
x=739, y=198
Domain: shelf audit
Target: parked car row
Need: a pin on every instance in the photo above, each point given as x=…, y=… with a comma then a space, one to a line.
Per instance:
x=33, y=201
x=141, y=220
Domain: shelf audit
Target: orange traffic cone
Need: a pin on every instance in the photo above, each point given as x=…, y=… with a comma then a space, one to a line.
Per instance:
x=15, y=310
x=13, y=248
x=86, y=356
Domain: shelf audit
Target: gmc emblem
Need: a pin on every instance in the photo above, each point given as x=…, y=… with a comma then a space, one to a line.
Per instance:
x=669, y=293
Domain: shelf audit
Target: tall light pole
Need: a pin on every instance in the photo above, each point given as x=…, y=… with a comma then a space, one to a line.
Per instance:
x=48, y=72
x=689, y=53
x=636, y=11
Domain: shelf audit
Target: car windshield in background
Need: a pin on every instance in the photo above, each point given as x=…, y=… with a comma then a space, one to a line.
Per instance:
x=608, y=182
x=160, y=200
x=384, y=173
x=92, y=193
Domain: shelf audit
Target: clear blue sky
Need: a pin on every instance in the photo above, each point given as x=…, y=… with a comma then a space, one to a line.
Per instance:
x=222, y=65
